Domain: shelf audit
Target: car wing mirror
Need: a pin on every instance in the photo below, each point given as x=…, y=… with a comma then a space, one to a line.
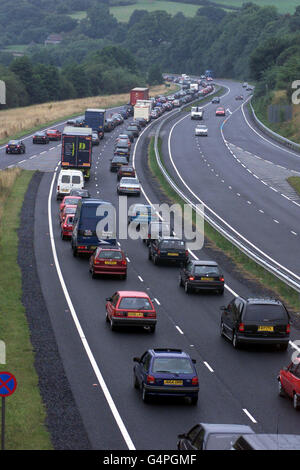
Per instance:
x=136, y=359
x=108, y=299
x=194, y=361
x=181, y=436
x=223, y=307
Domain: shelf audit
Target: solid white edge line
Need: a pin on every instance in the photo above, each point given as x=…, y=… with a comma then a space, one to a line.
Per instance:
x=84, y=341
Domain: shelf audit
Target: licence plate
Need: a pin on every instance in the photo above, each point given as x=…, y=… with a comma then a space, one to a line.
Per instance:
x=127, y=174
x=265, y=328
x=92, y=248
x=173, y=254
x=135, y=314
x=207, y=278
x=173, y=382
x=110, y=262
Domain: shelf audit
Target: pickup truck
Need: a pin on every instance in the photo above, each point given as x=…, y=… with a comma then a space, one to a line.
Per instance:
x=197, y=112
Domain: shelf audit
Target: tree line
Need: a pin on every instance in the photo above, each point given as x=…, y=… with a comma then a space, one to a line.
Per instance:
x=103, y=55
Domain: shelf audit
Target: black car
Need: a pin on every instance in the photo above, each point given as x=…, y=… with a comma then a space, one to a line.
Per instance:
x=84, y=193
x=142, y=122
x=137, y=124
x=79, y=122
x=256, y=321
x=168, y=249
x=204, y=275
x=40, y=138
x=134, y=129
x=124, y=113
x=122, y=151
x=15, y=146
x=158, y=229
x=215, y=100
x=117, y=162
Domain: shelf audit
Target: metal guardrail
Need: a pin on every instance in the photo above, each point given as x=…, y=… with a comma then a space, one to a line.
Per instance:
x=255, y=256
x=279, y=138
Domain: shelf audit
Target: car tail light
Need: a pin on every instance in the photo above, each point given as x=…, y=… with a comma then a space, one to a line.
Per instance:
x=150, y=379
x=124, y=262
x=288, y=328
x=195, y=381
x=191, y=278
x=97, y=261
x=221, y=279
x=186, y=253
x=158, y=252
x=241, y=327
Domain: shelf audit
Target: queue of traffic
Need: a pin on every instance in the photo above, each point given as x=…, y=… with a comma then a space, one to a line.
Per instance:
x=167, y=372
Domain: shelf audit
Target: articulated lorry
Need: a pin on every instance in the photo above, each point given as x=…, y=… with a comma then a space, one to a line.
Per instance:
x=95, y=119
x=76, y=149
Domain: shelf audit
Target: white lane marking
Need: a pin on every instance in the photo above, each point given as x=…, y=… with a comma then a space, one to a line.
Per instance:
x=249, y=415
x=208, y=366
x=276, y=221
x=294, y=233
x=42, y=153
x=128, y=260
x=22, y=161
x=141, y=279
x=261, y=211
x=157, y=301
x=83, y=339
x=264, y=138
x=33, y=156
x=179, y=329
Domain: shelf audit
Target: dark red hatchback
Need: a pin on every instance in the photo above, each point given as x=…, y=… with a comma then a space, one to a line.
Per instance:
x=110, y=261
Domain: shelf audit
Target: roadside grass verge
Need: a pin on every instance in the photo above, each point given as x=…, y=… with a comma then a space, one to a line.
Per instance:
x=294, y=181
x=17, y=122
x=213, y=240
x=25, y=412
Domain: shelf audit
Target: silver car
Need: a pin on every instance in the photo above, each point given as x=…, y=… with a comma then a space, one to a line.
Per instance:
x=129, y=186
x=201, y=130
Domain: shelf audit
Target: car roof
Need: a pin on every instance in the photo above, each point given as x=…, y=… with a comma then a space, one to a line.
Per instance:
x=204, y=263
x=226, y=428
x=272, y=441
x=262, y=300
x=168, y=352
x=132, y=293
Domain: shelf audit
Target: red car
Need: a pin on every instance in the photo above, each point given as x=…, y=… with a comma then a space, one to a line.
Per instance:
x=130, y=308
x=289, y=382
x=108, y=261
x=53, y=134
x=69, y=201
x=66, y=227
x=67, y=210
x=126, y=170
x=220, y=111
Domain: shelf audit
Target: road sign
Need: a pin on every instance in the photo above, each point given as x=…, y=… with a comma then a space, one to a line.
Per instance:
x=8, y=384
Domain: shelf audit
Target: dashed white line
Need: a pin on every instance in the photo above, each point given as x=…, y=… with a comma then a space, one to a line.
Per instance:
x=249, y=415
x=179, y=329
x=157, y=301
x=208, y=366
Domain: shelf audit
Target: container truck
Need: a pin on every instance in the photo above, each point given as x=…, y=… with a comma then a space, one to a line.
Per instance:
x=95, y=119
x=138, y=94
x=76, y=149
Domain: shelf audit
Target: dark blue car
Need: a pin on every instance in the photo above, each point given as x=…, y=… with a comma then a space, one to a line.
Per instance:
x=166, y=372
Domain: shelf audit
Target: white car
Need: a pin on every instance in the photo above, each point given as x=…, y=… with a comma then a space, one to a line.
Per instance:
x=129, y=186
x=201, y=129
x=197, y=112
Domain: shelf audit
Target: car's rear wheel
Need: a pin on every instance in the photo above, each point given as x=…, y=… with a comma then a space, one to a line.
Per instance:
x=62, y=236
x=112, y=326
x=194, y=400
x=296, y=401
x=135, y=382
x=155, y=260
x=93, y=273
x=187, y=288
x=281, y=391
x=152, y=329
x=180, y=281
x=235, y=341
x=74, y=252
x=222, y=329
x=283, y=347
x=145, y=395
x=149, y=255
x=221, y=291
x=106, y=318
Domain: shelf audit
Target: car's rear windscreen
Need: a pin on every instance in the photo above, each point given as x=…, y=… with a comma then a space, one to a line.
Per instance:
x=259, y=312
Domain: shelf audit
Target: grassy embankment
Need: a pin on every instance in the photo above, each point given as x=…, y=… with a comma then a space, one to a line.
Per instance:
x=214, y=240
x=17, y=122
x=283, y=6
x=25, y=413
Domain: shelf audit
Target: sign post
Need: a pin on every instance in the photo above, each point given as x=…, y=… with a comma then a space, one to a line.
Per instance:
x=8, y=385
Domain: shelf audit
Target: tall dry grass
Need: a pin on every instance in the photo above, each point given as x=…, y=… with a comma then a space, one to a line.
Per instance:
x=14, y=122
x=7, y=180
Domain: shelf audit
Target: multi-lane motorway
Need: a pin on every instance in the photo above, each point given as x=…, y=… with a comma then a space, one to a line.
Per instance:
x=236, y=386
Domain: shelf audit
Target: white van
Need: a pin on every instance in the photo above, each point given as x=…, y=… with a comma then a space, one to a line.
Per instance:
x=67, y=180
